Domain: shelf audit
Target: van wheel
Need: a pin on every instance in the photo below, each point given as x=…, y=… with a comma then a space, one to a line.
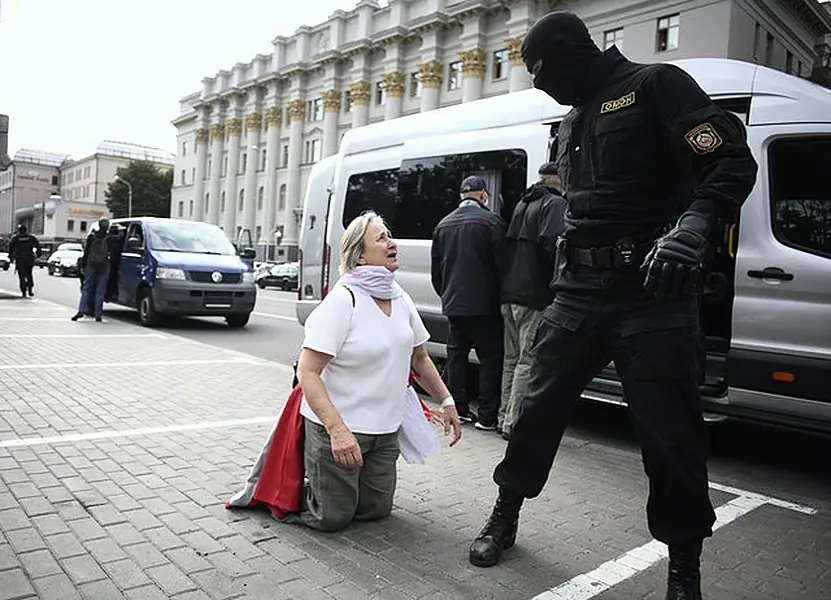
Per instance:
x=285, y=286
x=148, y=316
x=238, y=320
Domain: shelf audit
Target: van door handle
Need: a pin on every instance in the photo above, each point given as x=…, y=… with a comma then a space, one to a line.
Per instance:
x=771, y=273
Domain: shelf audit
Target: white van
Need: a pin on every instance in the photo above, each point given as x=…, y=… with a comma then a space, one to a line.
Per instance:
x=767, y=308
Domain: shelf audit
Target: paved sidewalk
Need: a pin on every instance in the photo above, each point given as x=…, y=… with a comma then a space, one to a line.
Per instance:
x=119, y=446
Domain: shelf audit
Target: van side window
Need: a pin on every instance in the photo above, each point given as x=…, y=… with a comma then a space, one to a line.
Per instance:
x=800, y=193
x=135, y=231
x=371, y=191
x=428, y=188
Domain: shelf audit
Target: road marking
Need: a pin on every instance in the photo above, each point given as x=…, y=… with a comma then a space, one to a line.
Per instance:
x=81, y=335
x=53, y=319
x=271, y=316
x=101, y=435
x=262, y=296
x=161, y=363
x=626, y=566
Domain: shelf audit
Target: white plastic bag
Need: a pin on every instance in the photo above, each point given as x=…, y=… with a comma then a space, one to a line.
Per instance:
x=416, y=438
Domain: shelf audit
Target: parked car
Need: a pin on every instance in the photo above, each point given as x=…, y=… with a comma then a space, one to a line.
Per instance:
x=5, y=261
x=280, y=276
x=64, y=263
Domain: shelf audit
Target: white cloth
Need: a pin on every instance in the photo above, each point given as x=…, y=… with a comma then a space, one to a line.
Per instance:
x=416, y=439
x=368, y=374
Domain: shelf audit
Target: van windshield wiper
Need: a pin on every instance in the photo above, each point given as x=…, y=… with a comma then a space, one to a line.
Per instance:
x=170, y=250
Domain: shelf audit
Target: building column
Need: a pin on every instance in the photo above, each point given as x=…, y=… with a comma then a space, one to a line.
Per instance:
x=217, y=142
x=432, y=76
x=229, y=219
x=297, y=114
x=473, y=71
x=274, y=120
x=394, y=88
x=331, y=116
x=202, y=138
x=254, y=121
x=519, y=78
x=361, y=94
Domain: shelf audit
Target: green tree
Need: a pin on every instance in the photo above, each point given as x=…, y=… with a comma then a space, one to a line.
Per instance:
x=151, y=190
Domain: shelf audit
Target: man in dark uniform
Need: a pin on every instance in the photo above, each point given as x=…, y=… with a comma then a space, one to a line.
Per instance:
x=23, y=249
x=652, y=170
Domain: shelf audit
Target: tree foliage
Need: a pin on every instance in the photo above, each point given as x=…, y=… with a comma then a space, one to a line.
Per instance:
x=151, y=190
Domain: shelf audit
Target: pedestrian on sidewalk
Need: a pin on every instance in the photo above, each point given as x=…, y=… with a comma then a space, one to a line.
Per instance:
x=24, y=248
x=96, y=261
x=465, y=274
x=529, y=250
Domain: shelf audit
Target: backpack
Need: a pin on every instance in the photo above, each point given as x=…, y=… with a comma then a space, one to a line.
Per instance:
x=97, y=257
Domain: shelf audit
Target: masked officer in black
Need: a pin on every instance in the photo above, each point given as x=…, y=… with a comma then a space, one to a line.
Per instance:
x=652, y=170
x=23, y=248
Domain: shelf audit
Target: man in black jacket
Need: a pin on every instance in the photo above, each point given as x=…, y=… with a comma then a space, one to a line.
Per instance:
x=528, y=258
x=23, y=249
x=652, y=171
x=96, y=264
x=464, y=272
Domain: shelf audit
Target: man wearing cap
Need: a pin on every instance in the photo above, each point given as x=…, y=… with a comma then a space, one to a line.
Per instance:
x=652, y=170
x=465, y=274
x=528, y=255
x=23, y=249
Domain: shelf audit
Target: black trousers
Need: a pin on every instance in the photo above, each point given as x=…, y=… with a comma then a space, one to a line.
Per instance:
x=603, y=315
x=483, y=333
x=24, y=275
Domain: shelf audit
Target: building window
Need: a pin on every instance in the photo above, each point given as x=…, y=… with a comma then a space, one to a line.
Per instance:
x=799, y=68
x=317, y=109
x=258, y=233
x=668, y=33
x=613, y=37
x=281, y=204
x=454, y=79
x=789, y=62
x=285, y=155
x=207, y=202
x=415, y=85
x=193, y=174
x=224, y=166
x=70, y=225
x=244, y=162
x=190, y=208
x=241, y=199
x=347, y=101
x=181, y=209
x=380, y=93
x=184, y=179
x=313, y=151
x=263, y=159
x=769, y=46
x=757, y=41
x=501, y=65
x=222, y=201
x=260, y=193
x=83, y=226
x=208, y=170
x=184, y=148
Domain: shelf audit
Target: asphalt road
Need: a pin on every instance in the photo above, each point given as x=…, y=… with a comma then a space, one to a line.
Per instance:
x=784, y=464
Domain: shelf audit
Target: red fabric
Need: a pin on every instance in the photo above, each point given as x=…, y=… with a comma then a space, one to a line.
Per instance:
x=280, y=486
x=424, y=407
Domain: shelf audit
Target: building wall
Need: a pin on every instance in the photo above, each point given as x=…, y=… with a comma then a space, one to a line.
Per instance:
x=72, y=220
x=298, y=101
x=24, y=185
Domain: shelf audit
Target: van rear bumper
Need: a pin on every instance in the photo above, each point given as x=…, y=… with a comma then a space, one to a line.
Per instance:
x=189, y=299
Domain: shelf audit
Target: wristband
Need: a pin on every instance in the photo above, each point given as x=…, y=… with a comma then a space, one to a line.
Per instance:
x=448, y=402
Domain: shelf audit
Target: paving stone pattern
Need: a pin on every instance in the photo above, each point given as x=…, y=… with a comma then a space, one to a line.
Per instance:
x=142, y=517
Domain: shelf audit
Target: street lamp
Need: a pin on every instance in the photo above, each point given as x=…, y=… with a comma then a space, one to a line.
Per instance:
x=129, y=195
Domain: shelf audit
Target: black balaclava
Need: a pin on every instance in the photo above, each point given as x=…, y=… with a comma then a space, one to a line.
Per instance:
x=559, y=52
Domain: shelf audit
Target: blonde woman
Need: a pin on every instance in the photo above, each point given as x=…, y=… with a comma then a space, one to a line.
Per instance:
x=360, y=344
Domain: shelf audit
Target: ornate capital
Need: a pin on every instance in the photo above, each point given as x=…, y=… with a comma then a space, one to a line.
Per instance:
x=297, y=110
x=432, y=74
x=360, y=93
x=473, y=62
x=217, y=131
x=234, y=127
x=331, y=101
x=273, y=116
x=393, y=84
x=203, y=134
x=514, y=45
x=254, y=121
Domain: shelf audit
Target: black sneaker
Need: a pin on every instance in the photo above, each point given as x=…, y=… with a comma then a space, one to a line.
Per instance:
x=77, y=316
x=485, y=425
x=467, y=417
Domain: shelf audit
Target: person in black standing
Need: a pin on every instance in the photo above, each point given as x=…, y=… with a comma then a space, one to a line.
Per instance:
x=96, y=262
x=23, y=249
x=465, y=274
x=652, y=171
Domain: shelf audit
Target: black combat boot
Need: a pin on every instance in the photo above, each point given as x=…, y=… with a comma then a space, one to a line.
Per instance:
x=499, y=532
x=684, y=580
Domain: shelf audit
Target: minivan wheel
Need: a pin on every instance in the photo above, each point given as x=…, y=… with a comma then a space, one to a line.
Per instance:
x=237, y=320
x=148, y=316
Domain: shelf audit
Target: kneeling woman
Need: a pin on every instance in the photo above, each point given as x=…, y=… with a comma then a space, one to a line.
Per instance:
x=360, y=344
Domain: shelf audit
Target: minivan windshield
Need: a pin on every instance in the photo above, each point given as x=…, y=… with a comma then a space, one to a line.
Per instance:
x=178, y=235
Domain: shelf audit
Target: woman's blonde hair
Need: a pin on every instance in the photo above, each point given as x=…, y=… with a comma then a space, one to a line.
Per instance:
x=352, y=242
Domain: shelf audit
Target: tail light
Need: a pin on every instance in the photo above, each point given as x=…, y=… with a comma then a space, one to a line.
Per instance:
x=327, y=258
x=299, y=274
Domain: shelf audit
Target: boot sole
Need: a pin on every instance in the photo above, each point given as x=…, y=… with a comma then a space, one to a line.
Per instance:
x=480, y=562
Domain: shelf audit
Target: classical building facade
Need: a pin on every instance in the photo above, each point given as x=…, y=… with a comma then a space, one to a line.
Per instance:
x=247, y=140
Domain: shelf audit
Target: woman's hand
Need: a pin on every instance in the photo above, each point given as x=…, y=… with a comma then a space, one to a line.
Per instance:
x=345, y=447
x=450, y=416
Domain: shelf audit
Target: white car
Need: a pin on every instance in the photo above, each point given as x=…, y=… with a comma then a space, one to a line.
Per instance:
x=4, y=260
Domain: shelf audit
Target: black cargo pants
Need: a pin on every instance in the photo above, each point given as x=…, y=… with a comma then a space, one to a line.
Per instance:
x=24, y=276
x=601, y=315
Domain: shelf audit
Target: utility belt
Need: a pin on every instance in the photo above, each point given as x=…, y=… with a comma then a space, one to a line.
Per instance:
x=625, y=254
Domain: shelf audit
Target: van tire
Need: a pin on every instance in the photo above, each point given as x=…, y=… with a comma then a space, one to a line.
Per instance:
x=148, y=316
x=237, y=320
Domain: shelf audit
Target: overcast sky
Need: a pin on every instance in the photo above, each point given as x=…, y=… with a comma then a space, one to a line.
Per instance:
x=76, y=72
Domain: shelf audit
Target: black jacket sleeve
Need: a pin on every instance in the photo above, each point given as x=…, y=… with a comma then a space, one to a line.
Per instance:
x=552, y=222
x=13, y=248
x=435, y=264
x=36, y=244
x=706, y=139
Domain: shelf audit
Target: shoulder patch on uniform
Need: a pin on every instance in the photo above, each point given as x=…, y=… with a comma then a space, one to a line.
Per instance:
x=703, y=138
x=622, y=102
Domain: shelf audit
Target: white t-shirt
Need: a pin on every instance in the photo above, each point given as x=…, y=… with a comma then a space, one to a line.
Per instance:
x=368, y=374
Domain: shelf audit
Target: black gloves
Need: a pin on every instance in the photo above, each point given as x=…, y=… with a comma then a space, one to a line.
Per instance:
x=672, y=268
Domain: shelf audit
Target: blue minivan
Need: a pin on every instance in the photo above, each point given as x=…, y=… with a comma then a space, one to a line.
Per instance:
x=173, y=267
